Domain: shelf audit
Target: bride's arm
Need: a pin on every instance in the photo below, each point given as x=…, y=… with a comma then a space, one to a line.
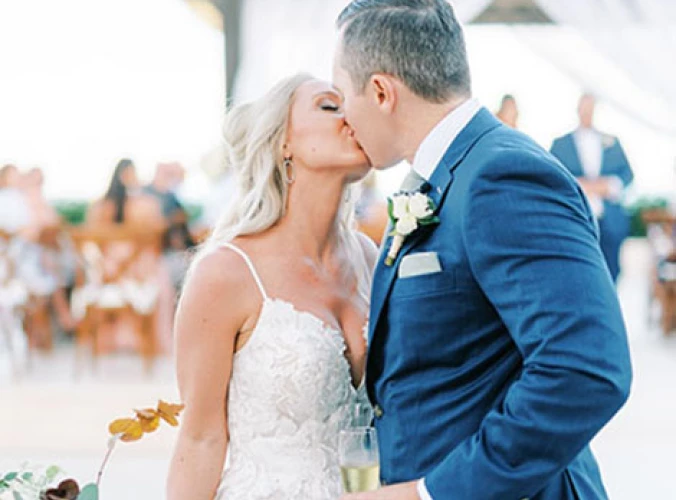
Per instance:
x=211, y=312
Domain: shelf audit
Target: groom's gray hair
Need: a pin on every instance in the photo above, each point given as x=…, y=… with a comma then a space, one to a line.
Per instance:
x=418, y=41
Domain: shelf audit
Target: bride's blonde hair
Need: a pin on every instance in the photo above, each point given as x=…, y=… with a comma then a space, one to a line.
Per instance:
x=254, y=136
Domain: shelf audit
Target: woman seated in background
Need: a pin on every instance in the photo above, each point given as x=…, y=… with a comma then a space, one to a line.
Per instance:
x=145, y=285
x=125, y=201
x=47, y=262
x=41, y=265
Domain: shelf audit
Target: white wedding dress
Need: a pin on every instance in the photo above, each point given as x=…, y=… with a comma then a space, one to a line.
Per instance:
x=290, y=394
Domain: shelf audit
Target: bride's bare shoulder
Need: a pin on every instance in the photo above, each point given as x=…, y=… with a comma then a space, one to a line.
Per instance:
x=219, y=270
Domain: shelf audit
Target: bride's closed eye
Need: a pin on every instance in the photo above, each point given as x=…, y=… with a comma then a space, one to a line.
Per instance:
x=330, y=107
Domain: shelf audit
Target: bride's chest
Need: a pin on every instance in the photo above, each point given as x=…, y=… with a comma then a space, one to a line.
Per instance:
x=292, y=359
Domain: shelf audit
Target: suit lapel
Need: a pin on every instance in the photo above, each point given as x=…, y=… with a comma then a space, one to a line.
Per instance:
x=441, y=180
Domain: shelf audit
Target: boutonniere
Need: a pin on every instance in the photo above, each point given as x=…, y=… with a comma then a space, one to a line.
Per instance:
x=408, y=212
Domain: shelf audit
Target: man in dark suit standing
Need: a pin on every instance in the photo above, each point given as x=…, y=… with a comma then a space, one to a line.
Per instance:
x=497, y=348
x=598, y=162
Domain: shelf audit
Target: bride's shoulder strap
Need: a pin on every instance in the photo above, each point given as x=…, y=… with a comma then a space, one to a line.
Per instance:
x=250, y=265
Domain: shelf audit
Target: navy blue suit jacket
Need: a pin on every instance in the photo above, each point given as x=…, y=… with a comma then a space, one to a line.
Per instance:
x=614, y=163
x=492, y=376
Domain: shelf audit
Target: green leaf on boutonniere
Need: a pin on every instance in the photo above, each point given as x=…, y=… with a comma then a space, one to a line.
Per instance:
x=429, y=221
x=390, y=208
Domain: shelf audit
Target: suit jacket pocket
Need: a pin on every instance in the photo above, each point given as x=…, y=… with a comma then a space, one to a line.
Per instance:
x=423, y=285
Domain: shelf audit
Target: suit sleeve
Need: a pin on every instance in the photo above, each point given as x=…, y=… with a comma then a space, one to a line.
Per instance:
x=558, y=150
x=533, y=251
x=555, y=149
x=625, y=174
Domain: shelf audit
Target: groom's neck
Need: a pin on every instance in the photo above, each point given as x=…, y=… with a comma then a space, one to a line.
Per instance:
x=418, y=117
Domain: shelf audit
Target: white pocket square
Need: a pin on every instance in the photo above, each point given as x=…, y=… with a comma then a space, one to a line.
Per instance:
x=419, y=264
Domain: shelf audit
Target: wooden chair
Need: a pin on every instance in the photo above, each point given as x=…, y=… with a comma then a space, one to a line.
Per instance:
x=98, y=282
x=661, y=226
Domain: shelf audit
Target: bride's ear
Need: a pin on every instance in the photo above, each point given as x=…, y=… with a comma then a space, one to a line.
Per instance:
x=383, y=91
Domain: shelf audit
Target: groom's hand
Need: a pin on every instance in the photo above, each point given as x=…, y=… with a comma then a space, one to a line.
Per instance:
x=403, y=491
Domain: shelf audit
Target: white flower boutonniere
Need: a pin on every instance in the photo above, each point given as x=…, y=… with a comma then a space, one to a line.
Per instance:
x=407, y=213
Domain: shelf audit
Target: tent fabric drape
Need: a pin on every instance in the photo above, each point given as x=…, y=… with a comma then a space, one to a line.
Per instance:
x=636, y=36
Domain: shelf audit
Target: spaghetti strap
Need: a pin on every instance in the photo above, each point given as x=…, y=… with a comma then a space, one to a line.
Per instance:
x=250, y=265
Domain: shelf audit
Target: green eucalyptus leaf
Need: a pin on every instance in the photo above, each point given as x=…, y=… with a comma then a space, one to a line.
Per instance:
x=89, y=492
x=390, y=208
x=52, y=472
x=27, y=476
x=17, y=495
x=11, y=476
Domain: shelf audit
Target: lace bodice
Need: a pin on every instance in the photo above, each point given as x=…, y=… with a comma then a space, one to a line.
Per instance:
x=290, y=394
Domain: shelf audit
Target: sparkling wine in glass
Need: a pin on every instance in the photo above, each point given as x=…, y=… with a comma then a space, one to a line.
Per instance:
x=359, y=461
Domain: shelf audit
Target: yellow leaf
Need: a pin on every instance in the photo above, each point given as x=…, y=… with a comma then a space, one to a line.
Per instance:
x=133, y=433
x=169, y=412
x=147, y=413
x=120, y=425
x=129, y=428
x=149, y=420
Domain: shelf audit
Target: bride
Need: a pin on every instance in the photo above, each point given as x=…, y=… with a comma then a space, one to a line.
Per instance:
x=270, y=329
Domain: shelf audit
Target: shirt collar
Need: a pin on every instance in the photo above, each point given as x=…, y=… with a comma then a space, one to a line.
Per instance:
x=433, y=147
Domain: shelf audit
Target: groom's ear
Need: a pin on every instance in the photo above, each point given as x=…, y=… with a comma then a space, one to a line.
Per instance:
x=383, y=91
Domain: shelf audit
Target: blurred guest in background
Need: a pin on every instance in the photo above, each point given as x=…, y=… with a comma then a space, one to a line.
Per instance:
x=42, y=214
x=46, y=265
x=509, y=111
x=14, y=218
x=14, y=210
x=167, y=179
x=124, y=200
x=146, y=283
x=598, y=162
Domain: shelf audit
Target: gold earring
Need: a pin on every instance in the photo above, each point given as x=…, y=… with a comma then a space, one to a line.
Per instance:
x=288, y=167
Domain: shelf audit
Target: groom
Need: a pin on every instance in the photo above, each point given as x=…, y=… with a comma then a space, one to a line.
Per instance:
x=497, y=345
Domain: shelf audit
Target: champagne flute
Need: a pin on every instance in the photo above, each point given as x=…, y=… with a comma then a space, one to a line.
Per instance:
x=361, y=415
x=359, y=460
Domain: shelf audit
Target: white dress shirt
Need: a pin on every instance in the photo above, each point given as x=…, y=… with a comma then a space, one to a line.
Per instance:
x=589, y=145
x=426, y=159
x=432, y=149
